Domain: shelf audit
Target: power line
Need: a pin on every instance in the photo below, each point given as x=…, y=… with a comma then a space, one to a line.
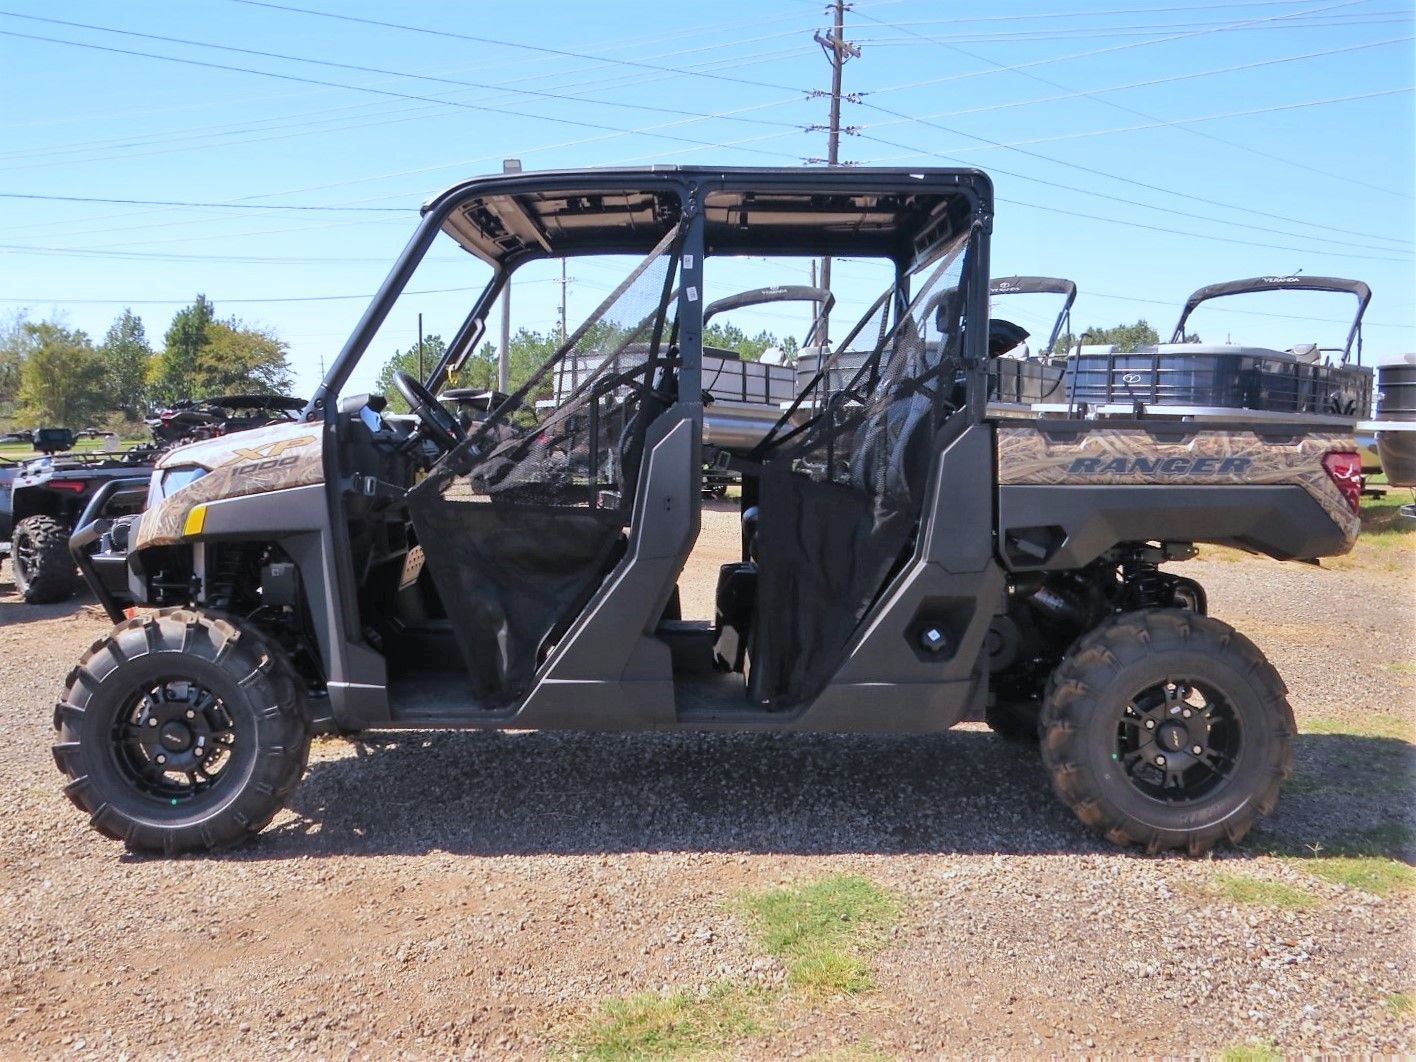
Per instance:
x=397, y=116
x=203, y=206
x=365, y=88
x=1196, y=235
x=1093, y=52
x=224, y=302
x=614, y=81
x=1146, y=206
x=1226, y=6
x=1376, y=18
x=1099, y=173
x=463, y=164
x=1098, y=97
x=142, y=256
x=1178, y=122
x=1132, y=202
x=459, y=165
x=378, y=70
x=1182, y=77
x=452, y=35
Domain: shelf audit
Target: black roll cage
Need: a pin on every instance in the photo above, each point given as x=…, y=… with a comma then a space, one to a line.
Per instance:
x=970, y=200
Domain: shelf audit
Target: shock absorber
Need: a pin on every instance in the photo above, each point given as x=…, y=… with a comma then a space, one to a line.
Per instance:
x=227, y=568
x=1143, y=585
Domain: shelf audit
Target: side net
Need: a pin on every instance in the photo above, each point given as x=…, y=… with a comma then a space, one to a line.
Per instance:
x=842, y=492
x=521, y=522
x=563, y=438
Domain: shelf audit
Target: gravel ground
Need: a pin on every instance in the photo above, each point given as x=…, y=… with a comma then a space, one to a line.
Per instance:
x=478, y=893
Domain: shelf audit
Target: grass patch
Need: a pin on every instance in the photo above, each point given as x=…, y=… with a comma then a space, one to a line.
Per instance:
x=823, y=930
x=1403, y=668
x=1226, y=554
x=1250, y=1053
x=1374, y=725
x=18, y=451
x=1382, y=516
x=1376, y=860
x=1376, y=874
x=1389, y=839
x=1403, y=1004
x=654, y=1026
x=1241, y=888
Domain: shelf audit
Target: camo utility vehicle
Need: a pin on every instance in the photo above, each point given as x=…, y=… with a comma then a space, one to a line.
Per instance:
x=911, y=553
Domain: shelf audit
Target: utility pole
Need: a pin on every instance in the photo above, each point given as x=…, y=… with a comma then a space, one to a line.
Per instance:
x=563, y=286
x=839, y=51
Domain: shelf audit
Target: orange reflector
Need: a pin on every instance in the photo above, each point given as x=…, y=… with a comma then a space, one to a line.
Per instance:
x=196, y=520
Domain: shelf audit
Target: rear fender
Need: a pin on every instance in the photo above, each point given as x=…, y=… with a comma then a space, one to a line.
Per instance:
x=1068, y=493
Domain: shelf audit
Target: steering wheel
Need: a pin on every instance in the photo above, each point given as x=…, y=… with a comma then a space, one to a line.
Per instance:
x=441, y=426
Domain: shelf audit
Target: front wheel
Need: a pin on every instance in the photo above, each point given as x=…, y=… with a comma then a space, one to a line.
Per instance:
x=1167, y=729
x=181, y=732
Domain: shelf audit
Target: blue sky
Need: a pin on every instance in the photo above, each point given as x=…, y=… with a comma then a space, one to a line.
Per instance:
x=1142, y=149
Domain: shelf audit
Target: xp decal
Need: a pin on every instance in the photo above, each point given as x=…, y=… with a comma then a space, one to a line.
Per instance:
x=268, y=459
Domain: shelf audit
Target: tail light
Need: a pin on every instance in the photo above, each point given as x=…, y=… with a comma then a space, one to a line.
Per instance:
x=1345, y=471
x=66, y=484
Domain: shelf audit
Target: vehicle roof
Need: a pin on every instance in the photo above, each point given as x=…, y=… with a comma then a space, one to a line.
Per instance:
x=898, y=213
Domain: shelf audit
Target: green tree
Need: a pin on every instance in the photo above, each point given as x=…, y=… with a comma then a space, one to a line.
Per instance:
x=127, y=358
x=725, y=336
x=203, y=356
x=1128, y=338
x=61, y=381
x=15, y=345
x=241, y=359
x=407, y=361
x=529, y=351
x=175, y=370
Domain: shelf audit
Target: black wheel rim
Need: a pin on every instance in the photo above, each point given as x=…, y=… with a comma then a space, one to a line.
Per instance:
x=174, y=741
x=1178, y=741
x=23, y=559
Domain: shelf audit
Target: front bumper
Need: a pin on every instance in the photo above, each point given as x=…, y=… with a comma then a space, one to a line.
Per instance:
x=101, y=561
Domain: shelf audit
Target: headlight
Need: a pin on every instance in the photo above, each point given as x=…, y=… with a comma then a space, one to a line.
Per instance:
x=168, y=481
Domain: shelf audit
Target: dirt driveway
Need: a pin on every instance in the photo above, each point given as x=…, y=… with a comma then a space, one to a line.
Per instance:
x=447, y=894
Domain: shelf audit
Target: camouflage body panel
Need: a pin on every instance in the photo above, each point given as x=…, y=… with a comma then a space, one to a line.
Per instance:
x=260, y=461
x=1201, y=458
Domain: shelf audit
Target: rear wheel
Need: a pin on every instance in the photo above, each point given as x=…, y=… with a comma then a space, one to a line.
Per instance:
x=181, y=732
x=39, y=557
x=1167, y=729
